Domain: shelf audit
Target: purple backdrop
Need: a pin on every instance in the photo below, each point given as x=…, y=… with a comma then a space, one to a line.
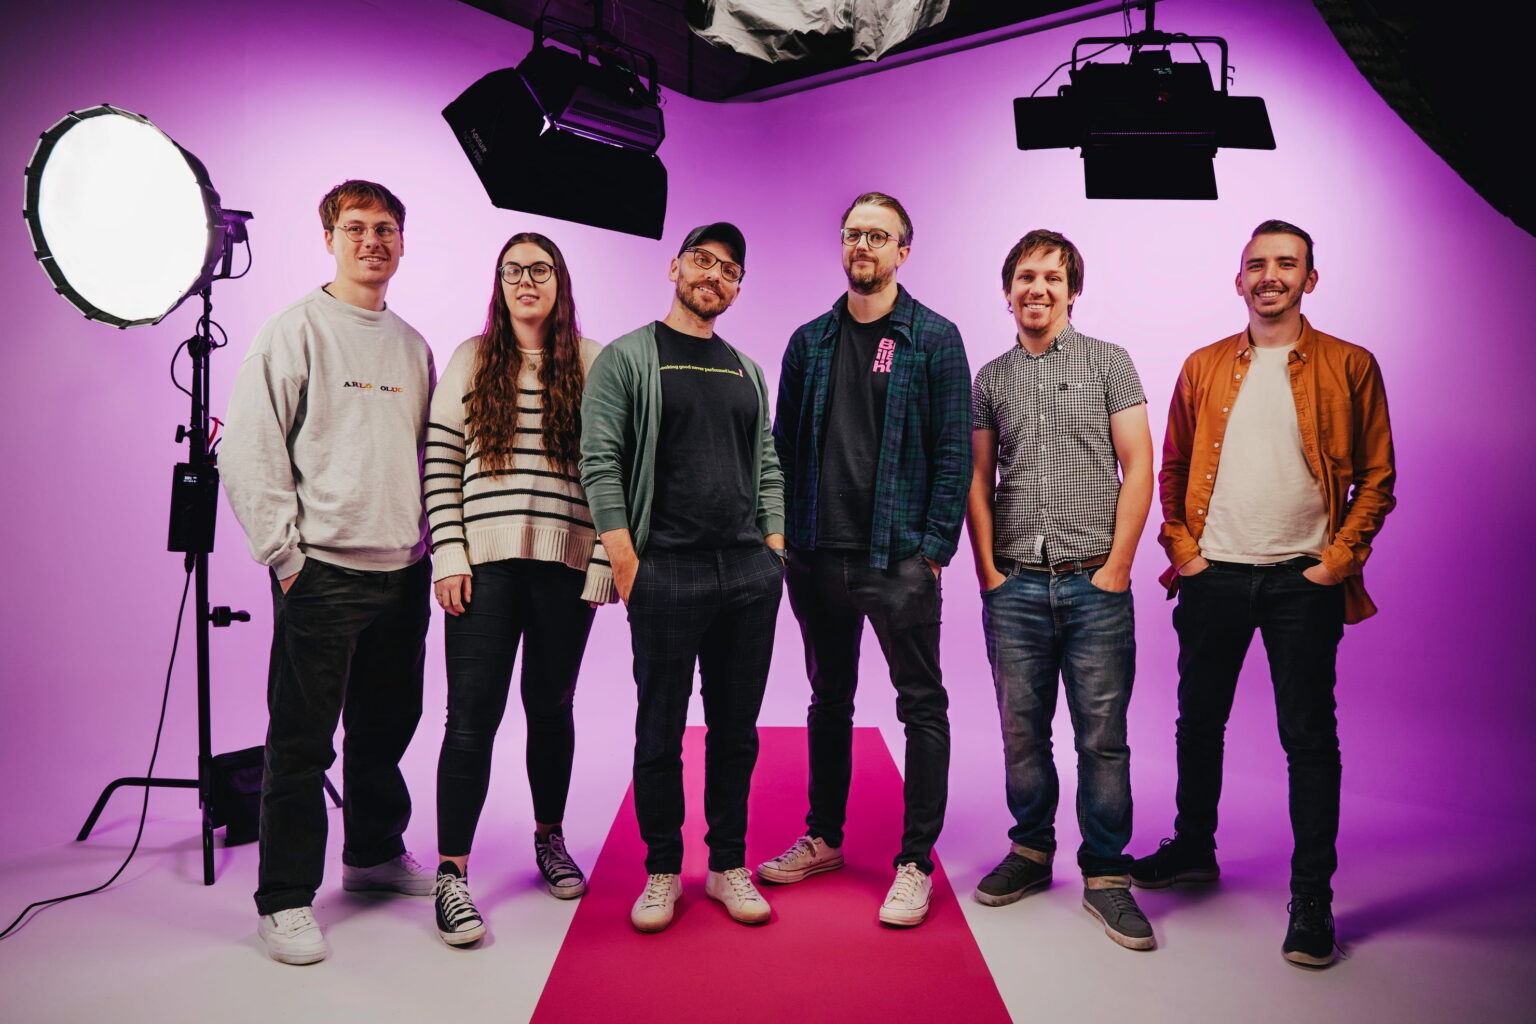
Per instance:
x=283, y=99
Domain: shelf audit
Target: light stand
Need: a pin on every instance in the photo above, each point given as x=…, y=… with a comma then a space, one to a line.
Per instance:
x=194, y=504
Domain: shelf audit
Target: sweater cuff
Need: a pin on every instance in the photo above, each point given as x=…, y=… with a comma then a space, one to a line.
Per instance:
x=450, y=560
x=599, y=588
x=289, y=564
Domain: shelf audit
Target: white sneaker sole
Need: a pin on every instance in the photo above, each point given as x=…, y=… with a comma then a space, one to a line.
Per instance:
x=298, y=957
x=779, y=876
x=904, y=918
x=1128, y=941
x=465, y=938
x=566, y=892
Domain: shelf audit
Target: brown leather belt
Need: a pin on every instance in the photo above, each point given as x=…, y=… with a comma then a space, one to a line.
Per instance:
x=1062, y=568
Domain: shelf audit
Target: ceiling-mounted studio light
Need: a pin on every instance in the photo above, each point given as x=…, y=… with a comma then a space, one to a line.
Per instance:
x=1148, y=128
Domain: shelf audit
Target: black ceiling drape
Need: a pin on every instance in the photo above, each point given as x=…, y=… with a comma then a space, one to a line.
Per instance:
x=1460, y=76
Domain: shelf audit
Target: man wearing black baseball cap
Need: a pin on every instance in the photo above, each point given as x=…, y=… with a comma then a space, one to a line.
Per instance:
x=678, y=463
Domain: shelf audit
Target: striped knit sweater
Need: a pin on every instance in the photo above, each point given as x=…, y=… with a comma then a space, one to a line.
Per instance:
x=530, y=510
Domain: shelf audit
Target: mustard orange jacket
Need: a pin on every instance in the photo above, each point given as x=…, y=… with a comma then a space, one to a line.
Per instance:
x=1341, y=410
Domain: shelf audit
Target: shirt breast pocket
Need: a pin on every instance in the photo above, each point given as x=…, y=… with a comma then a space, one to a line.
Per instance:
x=1078, y=397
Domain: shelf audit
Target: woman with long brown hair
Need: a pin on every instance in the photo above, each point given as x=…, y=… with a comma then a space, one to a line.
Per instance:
x=515, y=559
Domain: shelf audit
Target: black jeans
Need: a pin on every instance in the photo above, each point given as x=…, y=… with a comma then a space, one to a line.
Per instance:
x=1301, y=623
x=540, y=604
x=717, y=609
x=832, y=592
x=351, y=646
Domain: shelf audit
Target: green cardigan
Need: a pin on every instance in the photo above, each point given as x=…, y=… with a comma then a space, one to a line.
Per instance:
x=620, y=421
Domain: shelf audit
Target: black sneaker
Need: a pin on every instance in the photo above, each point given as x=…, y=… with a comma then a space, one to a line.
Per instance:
x=562, y=877
x=1176, y=860
x=1017, y=876
x=1123, y=920
x=458, y=922
x=1309, y=940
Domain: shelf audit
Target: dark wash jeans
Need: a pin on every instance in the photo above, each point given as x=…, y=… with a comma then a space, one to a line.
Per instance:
x=1038, y=627
x=716, y=609
x=538, y=603
x=1301, y=623
x=832, y=593
x=351, y=646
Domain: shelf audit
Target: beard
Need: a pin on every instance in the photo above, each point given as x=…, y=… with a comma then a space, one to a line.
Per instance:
x=701, y=304
x=869, y=278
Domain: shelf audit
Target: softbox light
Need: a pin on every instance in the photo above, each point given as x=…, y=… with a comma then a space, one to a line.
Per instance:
x=570, y=135
x=123, y=220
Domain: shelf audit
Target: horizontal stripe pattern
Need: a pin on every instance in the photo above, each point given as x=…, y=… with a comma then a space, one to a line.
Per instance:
x=531, y=509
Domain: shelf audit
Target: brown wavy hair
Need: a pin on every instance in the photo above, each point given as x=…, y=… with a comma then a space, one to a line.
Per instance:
x=491, y=407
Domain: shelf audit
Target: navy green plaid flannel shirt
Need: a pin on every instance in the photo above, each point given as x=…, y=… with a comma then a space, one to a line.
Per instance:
x=924, y=470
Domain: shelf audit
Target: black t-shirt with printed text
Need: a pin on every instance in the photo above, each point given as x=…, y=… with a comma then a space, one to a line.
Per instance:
x=705, y=467
x=855, y=419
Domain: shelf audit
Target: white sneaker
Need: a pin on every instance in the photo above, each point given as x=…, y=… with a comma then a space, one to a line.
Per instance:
x=810, y=855
x=742, y=901
x=293, y=936
x=653, y=910
x=907, y=902
x=402, y=875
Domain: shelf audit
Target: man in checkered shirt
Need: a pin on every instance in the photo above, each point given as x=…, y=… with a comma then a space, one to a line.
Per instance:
x=1054, y=528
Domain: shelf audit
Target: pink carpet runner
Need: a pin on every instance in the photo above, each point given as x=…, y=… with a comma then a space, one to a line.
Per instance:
x=822, y=957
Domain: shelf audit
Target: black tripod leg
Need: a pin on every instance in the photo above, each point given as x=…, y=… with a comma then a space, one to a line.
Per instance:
x=335, y=796
x=112, y=787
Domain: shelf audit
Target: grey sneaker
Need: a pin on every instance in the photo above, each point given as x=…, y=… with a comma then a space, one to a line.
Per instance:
x=808, y=855
x=402, y=875
x=1122, y=919
x=1016, y=877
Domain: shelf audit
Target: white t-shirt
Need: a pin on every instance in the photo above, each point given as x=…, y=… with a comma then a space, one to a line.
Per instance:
x=1266, y=505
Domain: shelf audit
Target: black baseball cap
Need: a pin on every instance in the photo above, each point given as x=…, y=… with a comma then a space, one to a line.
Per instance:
x=719, y=231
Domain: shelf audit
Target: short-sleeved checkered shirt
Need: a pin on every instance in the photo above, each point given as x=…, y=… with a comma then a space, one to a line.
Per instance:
x=1058, y=479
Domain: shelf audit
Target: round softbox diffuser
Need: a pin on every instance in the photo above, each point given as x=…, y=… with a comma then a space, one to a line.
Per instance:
x=123, y=220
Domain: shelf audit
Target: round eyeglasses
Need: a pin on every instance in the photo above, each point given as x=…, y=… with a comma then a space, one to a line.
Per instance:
x=876, y=238
x=704, y=259
x=538, y=273
x=385, y=233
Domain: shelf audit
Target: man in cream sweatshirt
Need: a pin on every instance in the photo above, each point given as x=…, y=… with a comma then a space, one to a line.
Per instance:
x=322, y=465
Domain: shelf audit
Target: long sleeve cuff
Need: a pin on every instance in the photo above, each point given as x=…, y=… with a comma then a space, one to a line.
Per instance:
x=599, y=588
x=450, y=560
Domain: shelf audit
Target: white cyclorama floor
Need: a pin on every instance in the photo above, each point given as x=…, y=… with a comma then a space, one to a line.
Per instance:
x=1434, y=910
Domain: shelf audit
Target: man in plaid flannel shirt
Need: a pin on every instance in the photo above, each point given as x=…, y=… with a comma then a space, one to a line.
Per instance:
x=874, y=437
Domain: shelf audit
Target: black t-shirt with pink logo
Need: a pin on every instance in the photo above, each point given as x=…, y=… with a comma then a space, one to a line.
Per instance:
x=856, y=393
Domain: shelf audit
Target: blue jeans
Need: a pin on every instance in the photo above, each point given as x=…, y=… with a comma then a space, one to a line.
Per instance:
x=1038, y=626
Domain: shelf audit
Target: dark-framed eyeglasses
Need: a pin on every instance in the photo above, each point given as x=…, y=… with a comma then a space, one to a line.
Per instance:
x=538, y=272
x=704, y=260
x=875, y=237
x=385, y=233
